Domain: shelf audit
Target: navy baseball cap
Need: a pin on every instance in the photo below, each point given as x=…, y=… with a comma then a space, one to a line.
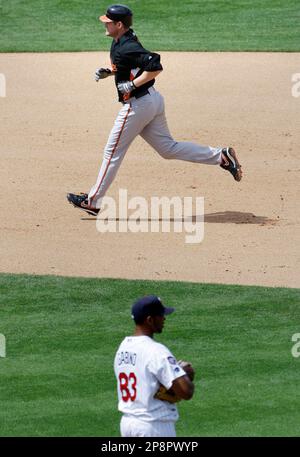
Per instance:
x=151, y=305
x=116, y=13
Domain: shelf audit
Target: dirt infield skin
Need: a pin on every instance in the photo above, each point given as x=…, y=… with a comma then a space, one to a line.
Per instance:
x=55, y=120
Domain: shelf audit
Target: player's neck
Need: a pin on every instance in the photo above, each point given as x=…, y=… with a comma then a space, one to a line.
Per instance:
x=120, y=34
x=141, y=331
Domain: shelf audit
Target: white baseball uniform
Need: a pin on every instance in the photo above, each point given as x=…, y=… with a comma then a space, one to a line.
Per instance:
x=141, y=365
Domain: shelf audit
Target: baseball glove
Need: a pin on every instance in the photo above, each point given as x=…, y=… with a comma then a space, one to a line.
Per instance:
x=166, y=395
x=169, y=395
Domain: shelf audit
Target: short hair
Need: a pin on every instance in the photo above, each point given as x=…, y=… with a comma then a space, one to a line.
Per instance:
x=140, y=320
x=127, y=21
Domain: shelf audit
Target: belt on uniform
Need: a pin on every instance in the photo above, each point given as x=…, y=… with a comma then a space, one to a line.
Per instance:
x=139, y=94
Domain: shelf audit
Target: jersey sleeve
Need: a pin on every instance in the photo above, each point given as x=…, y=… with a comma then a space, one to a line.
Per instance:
x=165, y=367
x=138, y=57
x=148, y=62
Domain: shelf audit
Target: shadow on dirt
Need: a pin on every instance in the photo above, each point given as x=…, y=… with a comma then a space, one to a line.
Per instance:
x=236, y=217
x=224, y=217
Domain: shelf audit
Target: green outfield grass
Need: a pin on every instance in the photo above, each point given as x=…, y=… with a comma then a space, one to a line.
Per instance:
x=62, y=334
x=185, y=25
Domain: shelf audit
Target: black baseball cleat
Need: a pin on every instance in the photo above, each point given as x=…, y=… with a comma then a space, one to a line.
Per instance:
x=81, y=201
x=231, y=163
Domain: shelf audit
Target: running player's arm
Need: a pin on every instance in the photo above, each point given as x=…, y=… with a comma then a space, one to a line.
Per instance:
x=145, y=77
x=147, y=62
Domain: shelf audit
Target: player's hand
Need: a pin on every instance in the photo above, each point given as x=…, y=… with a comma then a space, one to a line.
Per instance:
x=188, y=368
x=126, y=87
x=102, y=73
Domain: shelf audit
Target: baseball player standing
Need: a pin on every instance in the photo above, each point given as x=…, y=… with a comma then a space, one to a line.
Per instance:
x=142, y=112
x=146, y=371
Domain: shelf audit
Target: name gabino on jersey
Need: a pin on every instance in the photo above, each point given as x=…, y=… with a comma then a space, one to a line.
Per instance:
x=126, y=358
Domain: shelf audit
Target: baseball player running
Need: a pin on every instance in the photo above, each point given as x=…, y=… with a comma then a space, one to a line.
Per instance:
x=142, y=112
x=150, y=380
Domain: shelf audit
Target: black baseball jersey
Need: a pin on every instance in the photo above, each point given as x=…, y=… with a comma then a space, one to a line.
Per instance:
x=129, y=59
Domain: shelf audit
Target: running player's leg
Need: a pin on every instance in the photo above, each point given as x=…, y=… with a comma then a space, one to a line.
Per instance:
x=118, y=142
x=157, y=134
x=129, y=123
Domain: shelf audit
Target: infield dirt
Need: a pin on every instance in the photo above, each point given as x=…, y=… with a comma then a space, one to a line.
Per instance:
x=55, y=120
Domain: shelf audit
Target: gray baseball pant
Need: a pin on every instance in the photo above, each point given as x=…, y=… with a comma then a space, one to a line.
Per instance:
x=145, y=116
